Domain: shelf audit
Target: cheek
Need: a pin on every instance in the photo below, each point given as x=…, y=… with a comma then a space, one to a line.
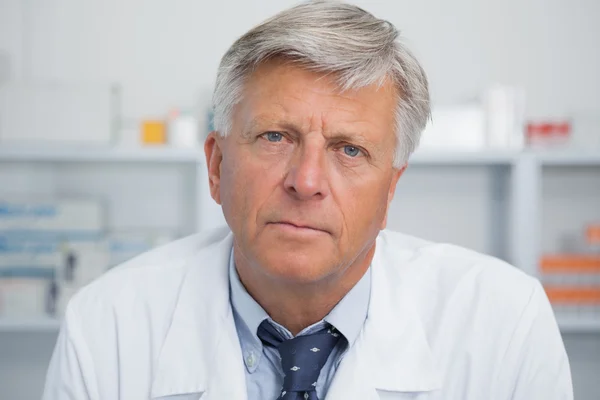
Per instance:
x=234, y=190
x=245, y=186
x=363, y=203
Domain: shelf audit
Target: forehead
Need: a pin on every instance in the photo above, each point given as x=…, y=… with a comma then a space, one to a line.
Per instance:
x=282, y=91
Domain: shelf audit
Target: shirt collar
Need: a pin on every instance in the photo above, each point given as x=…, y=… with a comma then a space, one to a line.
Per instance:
x=348, y=316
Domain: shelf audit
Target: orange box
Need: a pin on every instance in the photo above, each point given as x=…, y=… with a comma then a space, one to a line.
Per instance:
x=592, y=234
x=570, y=263
x=573, y=295
x=154, y=132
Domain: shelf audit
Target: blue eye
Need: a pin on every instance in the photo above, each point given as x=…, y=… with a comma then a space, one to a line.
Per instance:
x=351, y=151
x=274, y=136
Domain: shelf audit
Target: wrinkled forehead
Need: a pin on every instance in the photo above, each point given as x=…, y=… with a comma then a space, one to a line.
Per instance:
x=283, y=91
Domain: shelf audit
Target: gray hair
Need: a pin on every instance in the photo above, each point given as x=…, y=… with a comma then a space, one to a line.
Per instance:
x=333, y=38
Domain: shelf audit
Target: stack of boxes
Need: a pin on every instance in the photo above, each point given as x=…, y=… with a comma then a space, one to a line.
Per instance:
x=43, y=245
x=50, y=249
x=572, y=279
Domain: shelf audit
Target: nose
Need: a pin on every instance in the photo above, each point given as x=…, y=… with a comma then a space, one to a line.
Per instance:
x=307, y=177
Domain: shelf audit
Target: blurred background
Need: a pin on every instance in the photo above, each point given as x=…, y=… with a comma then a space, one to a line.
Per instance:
x=104, y=105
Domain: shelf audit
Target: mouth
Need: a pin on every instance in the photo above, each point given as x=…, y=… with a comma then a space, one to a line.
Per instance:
x=297, y=227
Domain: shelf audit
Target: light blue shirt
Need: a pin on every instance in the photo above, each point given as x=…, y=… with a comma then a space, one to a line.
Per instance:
x=264, y=374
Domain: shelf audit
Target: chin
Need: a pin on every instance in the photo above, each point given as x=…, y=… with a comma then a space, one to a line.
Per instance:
x=298, y=266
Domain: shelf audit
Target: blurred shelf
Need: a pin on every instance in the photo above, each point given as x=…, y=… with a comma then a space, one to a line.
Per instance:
x=175, y=155
x=460, y=158
x=570, y=158
x=29, y=325
x=579, y=325
x=38, y=154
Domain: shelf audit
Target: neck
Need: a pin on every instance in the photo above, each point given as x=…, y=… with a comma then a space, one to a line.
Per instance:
x=299, y=305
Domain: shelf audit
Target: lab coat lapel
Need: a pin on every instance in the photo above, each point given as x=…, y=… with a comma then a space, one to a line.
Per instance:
x=391, y=355
x=201, y=356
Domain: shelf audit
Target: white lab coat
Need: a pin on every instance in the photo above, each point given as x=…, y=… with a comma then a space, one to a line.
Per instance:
x=443, y=323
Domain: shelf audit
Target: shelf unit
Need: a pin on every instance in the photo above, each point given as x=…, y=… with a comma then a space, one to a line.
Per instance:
x=185, y=155
x=575, y=325
x=43, y=325
x=149, y=154
x=466, y=158
x=566, y=159
x=523, y=222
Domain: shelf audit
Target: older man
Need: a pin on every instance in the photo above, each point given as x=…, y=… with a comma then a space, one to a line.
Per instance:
x=308, y=297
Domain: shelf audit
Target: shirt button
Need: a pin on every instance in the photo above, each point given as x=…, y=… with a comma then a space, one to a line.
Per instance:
x=250, y=359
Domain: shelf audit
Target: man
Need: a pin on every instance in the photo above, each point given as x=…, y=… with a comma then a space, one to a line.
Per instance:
x=308, y=297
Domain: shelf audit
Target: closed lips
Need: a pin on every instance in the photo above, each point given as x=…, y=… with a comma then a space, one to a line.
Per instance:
x=299, y=225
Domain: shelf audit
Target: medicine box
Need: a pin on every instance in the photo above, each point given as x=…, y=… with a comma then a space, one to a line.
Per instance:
x=73, y=219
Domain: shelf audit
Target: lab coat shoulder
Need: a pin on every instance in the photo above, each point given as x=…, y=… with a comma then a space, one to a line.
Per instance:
x=444, y=271
x=496, y=319
x=120, y=320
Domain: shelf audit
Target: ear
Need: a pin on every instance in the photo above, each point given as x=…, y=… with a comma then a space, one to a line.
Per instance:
x=214, y=157
x=395, y=177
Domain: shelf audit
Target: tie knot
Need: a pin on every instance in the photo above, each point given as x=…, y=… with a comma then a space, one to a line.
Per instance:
x=302, y=357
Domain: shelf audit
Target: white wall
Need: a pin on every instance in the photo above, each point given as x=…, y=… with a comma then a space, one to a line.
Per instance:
x=165, y=53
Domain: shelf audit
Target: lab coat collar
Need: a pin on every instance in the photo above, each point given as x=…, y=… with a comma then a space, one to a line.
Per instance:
x=201, y=355
x=392, y=353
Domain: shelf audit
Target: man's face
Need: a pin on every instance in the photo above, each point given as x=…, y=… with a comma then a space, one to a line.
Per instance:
x=305, y=176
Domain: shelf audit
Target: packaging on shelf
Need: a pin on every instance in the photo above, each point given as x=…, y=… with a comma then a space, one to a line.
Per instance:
x=592, y=236
x=46, y=246
x=125, y=245
x=495, y=123
x=455, y=127
x=549, y=134
x=504, y=117
x=24, y=297
x=570, y=301
x=572, y=280
x=66, y=218
x=153, y=132
x=21, y=258
x=183, y=129
x=82, y=262
x=47, y=266
x=28, y=271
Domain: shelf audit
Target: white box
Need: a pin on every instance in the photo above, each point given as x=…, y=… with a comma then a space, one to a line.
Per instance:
x=29, y=259
x=82, y=262
x=505, y=117
x=75, y=262
x=24, y=298
x=460, y=127
x=66, y=218
x=123, y=246
x=46, y=113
